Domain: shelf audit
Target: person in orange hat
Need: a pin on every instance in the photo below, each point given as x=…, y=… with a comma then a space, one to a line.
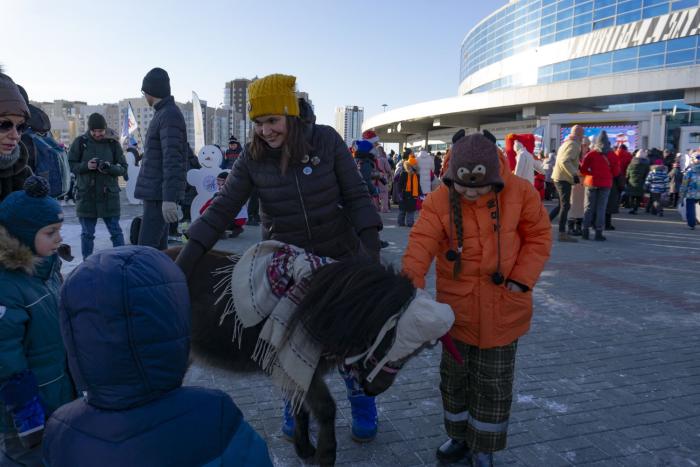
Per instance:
x=409, y=187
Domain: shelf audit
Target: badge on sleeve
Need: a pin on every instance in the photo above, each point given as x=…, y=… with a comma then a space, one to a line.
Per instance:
x=307, y=170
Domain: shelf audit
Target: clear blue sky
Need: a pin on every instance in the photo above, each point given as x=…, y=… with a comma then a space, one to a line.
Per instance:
x=351, y=52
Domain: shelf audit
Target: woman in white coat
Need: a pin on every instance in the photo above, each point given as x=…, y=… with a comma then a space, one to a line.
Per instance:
x=426, y=166
x=526, y=164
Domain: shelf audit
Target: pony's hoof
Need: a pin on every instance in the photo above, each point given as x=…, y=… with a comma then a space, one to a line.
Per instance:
x=305, y=451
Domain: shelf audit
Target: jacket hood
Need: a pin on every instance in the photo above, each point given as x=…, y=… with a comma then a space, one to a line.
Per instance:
x=14, y=255
x=128, y=339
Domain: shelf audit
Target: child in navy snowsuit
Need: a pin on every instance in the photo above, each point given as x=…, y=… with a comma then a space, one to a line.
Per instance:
x=128, y=343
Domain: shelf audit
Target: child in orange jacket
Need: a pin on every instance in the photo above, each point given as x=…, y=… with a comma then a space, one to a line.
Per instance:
x=492, y=237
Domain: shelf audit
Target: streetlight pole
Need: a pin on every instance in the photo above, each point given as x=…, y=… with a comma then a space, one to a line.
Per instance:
x=385, y=106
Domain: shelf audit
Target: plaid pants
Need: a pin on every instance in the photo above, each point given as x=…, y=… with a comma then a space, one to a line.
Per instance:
x=477, y=395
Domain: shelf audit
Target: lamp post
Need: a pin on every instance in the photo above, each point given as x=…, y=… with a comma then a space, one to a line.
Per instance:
x=385, y=106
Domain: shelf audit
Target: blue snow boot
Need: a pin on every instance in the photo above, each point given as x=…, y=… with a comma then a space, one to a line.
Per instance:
x=482, y=459
x=363, y=408
x=288, y=424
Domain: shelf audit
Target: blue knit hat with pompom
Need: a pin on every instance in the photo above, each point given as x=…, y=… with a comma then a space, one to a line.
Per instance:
x=24, y=213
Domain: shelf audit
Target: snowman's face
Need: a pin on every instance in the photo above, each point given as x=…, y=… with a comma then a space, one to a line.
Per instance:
x=209, y=157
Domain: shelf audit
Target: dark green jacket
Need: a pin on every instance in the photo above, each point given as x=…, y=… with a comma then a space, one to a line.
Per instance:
x=636, y=176
x=30, y=337
x=97, y=192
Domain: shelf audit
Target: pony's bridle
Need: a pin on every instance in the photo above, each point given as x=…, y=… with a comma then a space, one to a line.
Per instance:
x=368, y=355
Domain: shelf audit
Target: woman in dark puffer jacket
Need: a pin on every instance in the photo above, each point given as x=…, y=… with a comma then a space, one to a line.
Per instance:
x=311, y=196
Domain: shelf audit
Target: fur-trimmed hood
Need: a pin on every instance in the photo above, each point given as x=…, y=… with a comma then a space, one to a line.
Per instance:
x=14, y=255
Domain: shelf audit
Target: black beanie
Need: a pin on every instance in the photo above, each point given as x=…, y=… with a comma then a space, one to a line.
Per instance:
x=156, y=83
x=97, y=122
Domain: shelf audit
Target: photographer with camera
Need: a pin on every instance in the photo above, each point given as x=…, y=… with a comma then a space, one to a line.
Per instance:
x=97, y=162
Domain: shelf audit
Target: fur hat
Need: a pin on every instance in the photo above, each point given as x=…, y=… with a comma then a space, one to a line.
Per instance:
x=474, y=163
x=156, y=83
x=370, y=136
x=273, y=95
x=11, y=100
x=24, y=213
x=96, y=122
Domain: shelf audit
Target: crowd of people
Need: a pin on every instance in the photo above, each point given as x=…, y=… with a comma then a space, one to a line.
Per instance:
x=88, y=377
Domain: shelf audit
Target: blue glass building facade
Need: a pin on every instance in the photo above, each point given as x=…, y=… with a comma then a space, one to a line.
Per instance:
x=533, y=24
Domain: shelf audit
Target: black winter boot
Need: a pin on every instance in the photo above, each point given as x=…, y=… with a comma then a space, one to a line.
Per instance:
x=452, y=451
x=608, y=222
x=577, y=228
x=570, y=227
x=599, y=236
x=585, y=233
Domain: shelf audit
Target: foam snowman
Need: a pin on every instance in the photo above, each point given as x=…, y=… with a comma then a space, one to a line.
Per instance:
x=204, y=179
x=132, y=171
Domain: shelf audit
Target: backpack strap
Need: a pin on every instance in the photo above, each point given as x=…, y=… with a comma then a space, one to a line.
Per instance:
x=82, y=145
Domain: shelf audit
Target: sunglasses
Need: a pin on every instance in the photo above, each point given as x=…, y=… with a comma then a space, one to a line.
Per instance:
x=7, y=125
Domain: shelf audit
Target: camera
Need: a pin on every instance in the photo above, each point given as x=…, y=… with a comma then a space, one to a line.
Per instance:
x=103, y=166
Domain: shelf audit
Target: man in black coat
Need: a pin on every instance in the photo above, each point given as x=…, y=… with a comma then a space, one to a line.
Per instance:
x=162, y=174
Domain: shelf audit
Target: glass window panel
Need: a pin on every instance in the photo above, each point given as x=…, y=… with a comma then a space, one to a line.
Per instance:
x=628, y=5
x=583, y=29
x=561, y=35
x=682, y=56
x=547, y=39
x=600, y=69
x=547, y=29
x=655, y=11
x=579, y=2
x=578, y=73
x=652, y=49
x=603, y=23
x=624, y=65
x=603, y=13
x=625, y=54
x=682, y=43
x=560, y=77
x=579, y=63
x=565, y=4
x=545, y=79
x=601, y=58
x=652, y=61
x=681, y=4
x=654, y=2
x=548, y=2
x=549, y=10
x=583, y=8
x=566, y=14
x=583, y=19
x=559, y=67
x=604, y=3
x=629, y=17
x=544, y=70
x=566, y=24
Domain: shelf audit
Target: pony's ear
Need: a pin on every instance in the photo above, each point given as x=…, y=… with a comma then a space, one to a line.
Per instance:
x=457, y=136
x=489, y=136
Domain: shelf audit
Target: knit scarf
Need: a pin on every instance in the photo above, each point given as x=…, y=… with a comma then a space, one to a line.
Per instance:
x=412, y=184
x=8, y=160
x=267, y=283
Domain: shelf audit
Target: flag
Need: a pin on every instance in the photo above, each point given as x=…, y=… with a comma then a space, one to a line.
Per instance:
x=130, y=125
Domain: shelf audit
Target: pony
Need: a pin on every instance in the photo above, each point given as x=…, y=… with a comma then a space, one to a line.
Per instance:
x=348, y=309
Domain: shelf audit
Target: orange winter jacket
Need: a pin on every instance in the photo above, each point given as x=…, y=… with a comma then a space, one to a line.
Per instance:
x=486, y=315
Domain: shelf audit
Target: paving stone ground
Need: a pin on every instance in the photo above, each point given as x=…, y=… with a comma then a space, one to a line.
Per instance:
x=609, y=374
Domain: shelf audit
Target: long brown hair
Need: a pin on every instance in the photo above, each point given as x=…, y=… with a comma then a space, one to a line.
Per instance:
x=295, y=146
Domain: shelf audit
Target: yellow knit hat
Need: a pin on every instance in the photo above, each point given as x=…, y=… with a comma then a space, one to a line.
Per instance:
x=273, y=95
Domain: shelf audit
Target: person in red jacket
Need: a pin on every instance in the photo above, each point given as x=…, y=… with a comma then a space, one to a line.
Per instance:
x=599, y=167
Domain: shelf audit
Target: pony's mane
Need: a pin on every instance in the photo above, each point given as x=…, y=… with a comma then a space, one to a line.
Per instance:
x=348, y=302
